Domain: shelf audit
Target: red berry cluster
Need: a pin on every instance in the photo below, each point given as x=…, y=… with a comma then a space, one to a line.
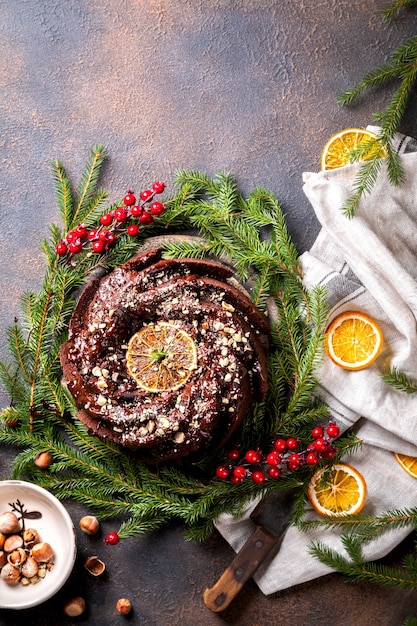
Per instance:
x=284, y=457
x=123, y=219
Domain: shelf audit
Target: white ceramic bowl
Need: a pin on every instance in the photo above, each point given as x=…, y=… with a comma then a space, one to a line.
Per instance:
x=54, y=526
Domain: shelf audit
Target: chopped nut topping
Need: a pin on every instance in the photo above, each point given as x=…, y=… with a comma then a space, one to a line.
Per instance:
x=101, y=400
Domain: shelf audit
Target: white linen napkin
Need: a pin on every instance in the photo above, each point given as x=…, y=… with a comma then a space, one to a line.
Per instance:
x=368, y=264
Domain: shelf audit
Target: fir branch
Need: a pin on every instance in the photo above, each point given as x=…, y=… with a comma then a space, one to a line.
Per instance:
x=363, y=184
x=231, y=224
x=300, y=348
x=391, y=9
x=90, y=213
x=355, y=569
x=63, y=193
x=400, y=381
x=402, y=66
x=87, y=186
x=365, y=526
x=11, y=382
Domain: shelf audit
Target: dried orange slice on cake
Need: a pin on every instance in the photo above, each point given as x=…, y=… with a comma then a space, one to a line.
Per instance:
x=338, y=491
x=338, y=150
x=161, y=357
x=353, y=340
x=408, y=463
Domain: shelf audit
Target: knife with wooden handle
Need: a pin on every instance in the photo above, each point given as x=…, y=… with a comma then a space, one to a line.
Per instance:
x=272, y=517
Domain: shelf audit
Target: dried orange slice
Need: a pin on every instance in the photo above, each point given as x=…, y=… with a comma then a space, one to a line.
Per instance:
x=408, y=463
x=337, y=151
x=161, y=357
x=338, y=491
x=353, y=340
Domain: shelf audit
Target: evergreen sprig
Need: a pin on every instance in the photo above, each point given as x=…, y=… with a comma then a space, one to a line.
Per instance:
x=400, y=381
x=251, y=234
x=365, y=526
x=403, y=67
x=355, y=568
x=391, y=9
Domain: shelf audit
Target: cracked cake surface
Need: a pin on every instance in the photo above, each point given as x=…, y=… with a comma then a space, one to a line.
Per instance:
x=199, y=361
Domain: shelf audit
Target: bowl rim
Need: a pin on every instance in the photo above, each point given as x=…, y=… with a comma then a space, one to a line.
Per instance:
x=65, y=521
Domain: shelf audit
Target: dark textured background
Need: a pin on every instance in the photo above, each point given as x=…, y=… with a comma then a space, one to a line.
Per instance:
x=247, y=86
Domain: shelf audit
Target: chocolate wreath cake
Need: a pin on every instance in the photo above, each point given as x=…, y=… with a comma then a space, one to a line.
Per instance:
x=165, y=356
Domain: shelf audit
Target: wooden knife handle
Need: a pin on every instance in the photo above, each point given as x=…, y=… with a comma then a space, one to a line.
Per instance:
x=243, y=566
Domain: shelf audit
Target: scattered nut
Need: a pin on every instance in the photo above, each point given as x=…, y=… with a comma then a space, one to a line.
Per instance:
x=123, y=606
x=43, y=460
x=89, y=525
x=74, y=607
x=94, y=566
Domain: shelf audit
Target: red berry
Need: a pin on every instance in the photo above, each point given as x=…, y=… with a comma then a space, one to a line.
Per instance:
x=317, y=432
x=106, y=219
x=158, y=186
x=333, y=430
x=145, y=218
x=71, y=236
x=280, y=445
x=222, y=471
x=61, y=248
x=112, y=538
x=293, y=466
x=110, y=238
x=98, y=246
x=75, y=246
x=157, y=208
x=273, y=457
x=103, y=234
x=236, y=480
x=258, y=477
x=136, y=210
x=311, y=458
x=81, y=231
x=146, y=194
x=252, y=456
x=129, y=198
x=92, y=234
x=233, y=454
x=292, y=443
x=133, y=230
x=121, y=214
x=329, y=452
x=320, y=444
x=239, y=472
x=274, y=472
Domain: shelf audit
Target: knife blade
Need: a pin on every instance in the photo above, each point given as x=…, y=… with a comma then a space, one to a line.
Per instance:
x=272, y=517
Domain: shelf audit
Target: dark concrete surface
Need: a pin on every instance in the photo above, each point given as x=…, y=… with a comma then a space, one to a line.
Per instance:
x=247, y=86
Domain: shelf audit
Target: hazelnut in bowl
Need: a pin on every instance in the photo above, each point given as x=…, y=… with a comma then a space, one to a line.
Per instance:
x=37, y=545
